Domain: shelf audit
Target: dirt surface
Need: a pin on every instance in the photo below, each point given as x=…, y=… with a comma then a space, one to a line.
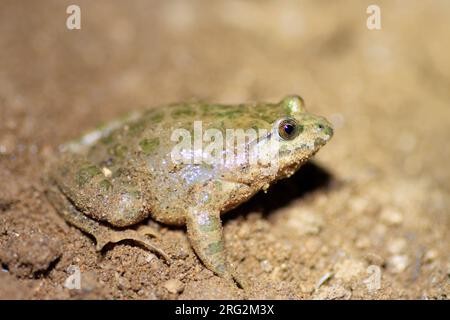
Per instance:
x=375, y=201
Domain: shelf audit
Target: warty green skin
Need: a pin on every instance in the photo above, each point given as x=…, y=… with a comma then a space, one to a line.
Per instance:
x=120, y=174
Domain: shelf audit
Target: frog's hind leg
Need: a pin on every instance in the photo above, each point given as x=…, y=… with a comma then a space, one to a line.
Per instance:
x=102, y=234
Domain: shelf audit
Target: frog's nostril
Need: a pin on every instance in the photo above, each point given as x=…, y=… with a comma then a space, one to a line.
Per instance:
x=320, y=126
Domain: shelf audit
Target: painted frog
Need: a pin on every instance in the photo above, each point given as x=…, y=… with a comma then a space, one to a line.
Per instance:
x=119, y=175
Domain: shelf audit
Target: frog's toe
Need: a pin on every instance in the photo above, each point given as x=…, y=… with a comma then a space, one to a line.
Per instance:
x=138, y=236
x=235, y=277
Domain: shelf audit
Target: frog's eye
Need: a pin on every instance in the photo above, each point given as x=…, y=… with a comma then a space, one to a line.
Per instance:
x=288, y=129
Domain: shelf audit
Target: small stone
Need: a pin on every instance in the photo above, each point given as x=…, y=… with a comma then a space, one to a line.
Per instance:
x=106, y=172
x=276, y=275
x=327, y=276
x=398, y=263
x=266, y=266
x=396, y=245
x=332, y=292
x=150, y=257
x=122, y=282
x=430, y=255
x=174, y=286
x=391, y=216
x=183, y=253
x=73, y=281
x=348, y=269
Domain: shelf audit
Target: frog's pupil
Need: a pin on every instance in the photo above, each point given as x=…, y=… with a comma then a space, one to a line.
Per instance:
x=288, y=128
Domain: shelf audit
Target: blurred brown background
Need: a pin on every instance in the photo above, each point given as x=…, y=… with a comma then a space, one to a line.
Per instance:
x=384, y=200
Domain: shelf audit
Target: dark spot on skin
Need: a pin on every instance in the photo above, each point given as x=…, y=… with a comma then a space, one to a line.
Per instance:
x=220, y=268
x=118, y=150
x=157, y=118
x=268, y=113
x=135, y=194
x=136, y=128
x=221, y=111
x=108, y=139
x=149, y=145
x=319, y=142
x=105, y=185
x=130, y=214
x=230, y=112
x=270, y=118
x=209, y=109
x=218, y=185
x=329, y=131
x=120, y=172
x=284, y=151
x=214, y=248
x=219, y=125
x=182, y=112
x=212, y=225
x=85, y=174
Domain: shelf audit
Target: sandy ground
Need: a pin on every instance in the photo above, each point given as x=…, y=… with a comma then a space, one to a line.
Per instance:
x=373, y=205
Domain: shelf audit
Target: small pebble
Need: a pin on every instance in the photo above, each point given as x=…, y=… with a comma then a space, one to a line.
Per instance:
x=348, y=269
x=333, y=292
x=430, y=255
x=327, y=276
x=391, y=216
x=174, y=286
x=106, y=172
x=396, y=245
x=398, y=263
x=266, y=266
x=150, y=257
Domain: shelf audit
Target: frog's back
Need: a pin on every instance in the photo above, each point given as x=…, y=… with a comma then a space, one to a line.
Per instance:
x=137, y=151
x=147, y=134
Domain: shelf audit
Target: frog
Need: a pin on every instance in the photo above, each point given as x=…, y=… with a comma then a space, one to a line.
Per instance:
x=114, y=178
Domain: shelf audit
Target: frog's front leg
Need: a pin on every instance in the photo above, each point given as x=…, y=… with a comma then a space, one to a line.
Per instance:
x=205, y=233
